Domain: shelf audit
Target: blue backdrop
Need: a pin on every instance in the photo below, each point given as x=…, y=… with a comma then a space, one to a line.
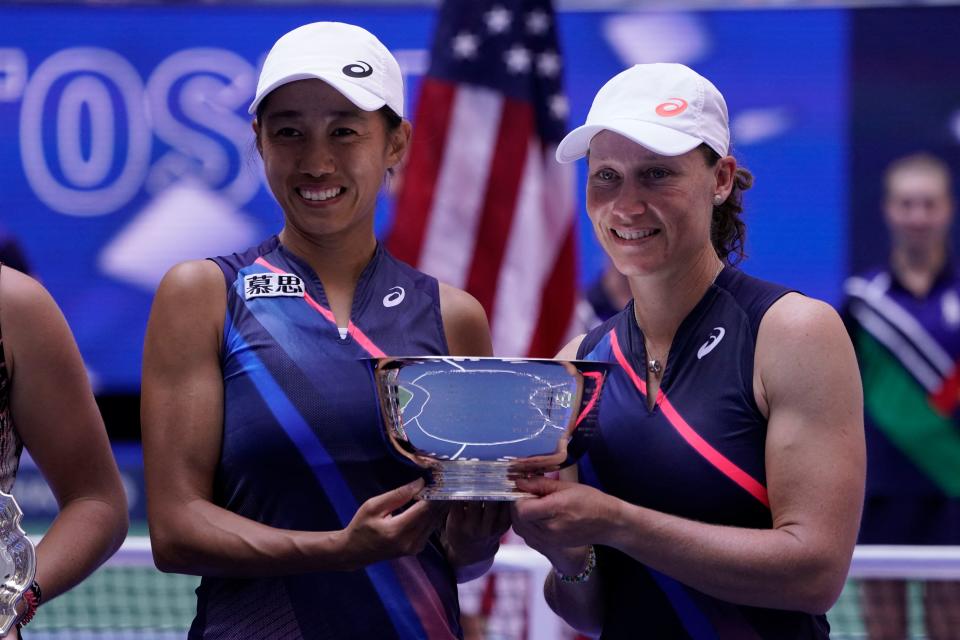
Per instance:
x=126, y=147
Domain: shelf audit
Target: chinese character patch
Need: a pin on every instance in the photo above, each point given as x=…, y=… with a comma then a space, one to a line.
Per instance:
x=271, y=285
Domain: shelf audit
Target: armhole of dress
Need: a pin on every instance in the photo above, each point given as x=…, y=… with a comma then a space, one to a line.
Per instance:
x=9, y=460
x=438, y=310
x=225, y=270
x=761, y=310
x=4, y=374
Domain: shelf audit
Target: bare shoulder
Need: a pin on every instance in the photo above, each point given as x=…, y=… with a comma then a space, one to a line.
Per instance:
x=569, y=350
x=464, y=323
x=20, y=294
x=193, y=278
x=803, y=349
x=798, y=321
x=29, y=315
x=192, y=289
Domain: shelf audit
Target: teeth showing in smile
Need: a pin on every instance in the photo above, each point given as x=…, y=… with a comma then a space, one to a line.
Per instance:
x=319, y=195
x=633, y=235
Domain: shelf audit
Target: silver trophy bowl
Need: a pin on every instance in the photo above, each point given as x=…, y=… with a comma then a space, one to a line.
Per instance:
x=479, y=423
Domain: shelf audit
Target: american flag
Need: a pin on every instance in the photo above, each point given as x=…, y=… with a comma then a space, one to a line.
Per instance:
x=483, y=205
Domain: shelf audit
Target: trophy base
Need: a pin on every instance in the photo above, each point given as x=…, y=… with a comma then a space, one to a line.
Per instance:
x=473, y=480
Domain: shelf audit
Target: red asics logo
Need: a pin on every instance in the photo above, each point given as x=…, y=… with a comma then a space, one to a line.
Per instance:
x=673, y=107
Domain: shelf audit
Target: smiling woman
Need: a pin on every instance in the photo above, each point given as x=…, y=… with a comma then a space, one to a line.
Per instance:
x=721, y=496
x=266, y=471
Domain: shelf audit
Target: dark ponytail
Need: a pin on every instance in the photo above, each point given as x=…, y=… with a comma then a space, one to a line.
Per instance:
x=728, y=232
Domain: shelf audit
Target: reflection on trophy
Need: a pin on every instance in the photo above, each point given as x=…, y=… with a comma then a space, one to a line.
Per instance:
x=18, y=561
x=479, y=423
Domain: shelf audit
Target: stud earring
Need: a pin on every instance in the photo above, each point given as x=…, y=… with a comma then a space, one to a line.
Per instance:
x=717, y=199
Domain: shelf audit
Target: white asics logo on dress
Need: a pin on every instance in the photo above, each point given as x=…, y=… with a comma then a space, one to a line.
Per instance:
x=715, y=337
x=394, y=298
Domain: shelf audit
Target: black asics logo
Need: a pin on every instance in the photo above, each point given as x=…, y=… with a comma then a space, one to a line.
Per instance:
x=358, y=69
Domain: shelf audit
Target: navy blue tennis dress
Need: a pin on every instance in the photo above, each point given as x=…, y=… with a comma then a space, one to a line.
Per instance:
x=698, y=454
x=302, y=448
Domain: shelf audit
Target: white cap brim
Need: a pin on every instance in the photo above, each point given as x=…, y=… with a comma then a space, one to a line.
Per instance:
x=656, y=138
x=362, y=98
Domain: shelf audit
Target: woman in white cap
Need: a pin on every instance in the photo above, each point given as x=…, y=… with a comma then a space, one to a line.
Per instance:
x=722, y=493
x=267, y=473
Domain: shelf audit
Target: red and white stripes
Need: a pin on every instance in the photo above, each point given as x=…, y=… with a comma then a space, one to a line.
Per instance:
x=485, y=207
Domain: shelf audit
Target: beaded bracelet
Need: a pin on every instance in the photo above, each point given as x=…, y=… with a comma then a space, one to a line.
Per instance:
x=32, y=597
x=584, y=575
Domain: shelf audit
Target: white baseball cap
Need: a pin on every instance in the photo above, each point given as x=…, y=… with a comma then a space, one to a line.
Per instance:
x=350, y=59
x=666, y=107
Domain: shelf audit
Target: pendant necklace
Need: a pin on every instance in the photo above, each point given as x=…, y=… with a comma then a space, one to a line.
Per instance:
x=654, y=367
x=654, y=364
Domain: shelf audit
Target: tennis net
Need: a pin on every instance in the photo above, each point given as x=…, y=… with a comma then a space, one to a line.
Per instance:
x=128, y=599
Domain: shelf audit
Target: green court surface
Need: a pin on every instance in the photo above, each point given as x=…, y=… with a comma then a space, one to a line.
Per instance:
x=131, y=600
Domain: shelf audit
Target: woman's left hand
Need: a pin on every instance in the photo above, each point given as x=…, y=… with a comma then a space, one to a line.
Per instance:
x=474, y=529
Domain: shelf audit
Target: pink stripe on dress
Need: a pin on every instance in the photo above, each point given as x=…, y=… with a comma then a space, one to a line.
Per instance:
x=689, y=434
x=352, y=329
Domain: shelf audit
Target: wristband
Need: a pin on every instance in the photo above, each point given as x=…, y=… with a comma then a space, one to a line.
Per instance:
x=584, y=575
x=32, y=597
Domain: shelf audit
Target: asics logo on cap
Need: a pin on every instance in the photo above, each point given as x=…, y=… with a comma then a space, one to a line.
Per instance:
x=715, y=337
x=394, y=297
x=672, y=107
x=358, y=69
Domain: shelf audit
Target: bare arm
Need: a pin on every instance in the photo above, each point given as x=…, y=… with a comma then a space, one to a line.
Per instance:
x=182, y=418
x=55, y=414
x=807, y=379
x=580, y=604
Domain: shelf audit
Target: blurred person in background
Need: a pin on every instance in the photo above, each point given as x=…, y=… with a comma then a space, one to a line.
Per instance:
x=266, y=469
x=604, y=298
x=904, y=319
x=46, y=405
x=721, y=495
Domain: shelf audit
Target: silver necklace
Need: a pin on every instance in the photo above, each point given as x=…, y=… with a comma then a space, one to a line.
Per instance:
x=655, y=365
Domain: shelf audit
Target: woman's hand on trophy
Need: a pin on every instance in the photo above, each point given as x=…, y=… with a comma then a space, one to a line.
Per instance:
x=564, y=515
x=381, y=531
x=472, y=535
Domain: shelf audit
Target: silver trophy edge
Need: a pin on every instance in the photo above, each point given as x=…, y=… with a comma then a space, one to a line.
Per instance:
x=23, y=556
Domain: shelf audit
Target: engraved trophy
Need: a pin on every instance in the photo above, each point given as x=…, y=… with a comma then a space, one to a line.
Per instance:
x=18, y=561
x=479, y=423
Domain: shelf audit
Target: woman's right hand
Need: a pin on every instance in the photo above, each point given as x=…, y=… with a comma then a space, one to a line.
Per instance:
x=378, y=531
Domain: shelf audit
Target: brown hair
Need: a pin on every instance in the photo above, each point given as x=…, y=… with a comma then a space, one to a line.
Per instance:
x=728, y=232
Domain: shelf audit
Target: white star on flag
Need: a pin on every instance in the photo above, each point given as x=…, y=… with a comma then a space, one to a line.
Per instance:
x=548, y=64
x=559, y=106
x=518, y=59
x=465, y=45
x=498, y=19
x=538, y=22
